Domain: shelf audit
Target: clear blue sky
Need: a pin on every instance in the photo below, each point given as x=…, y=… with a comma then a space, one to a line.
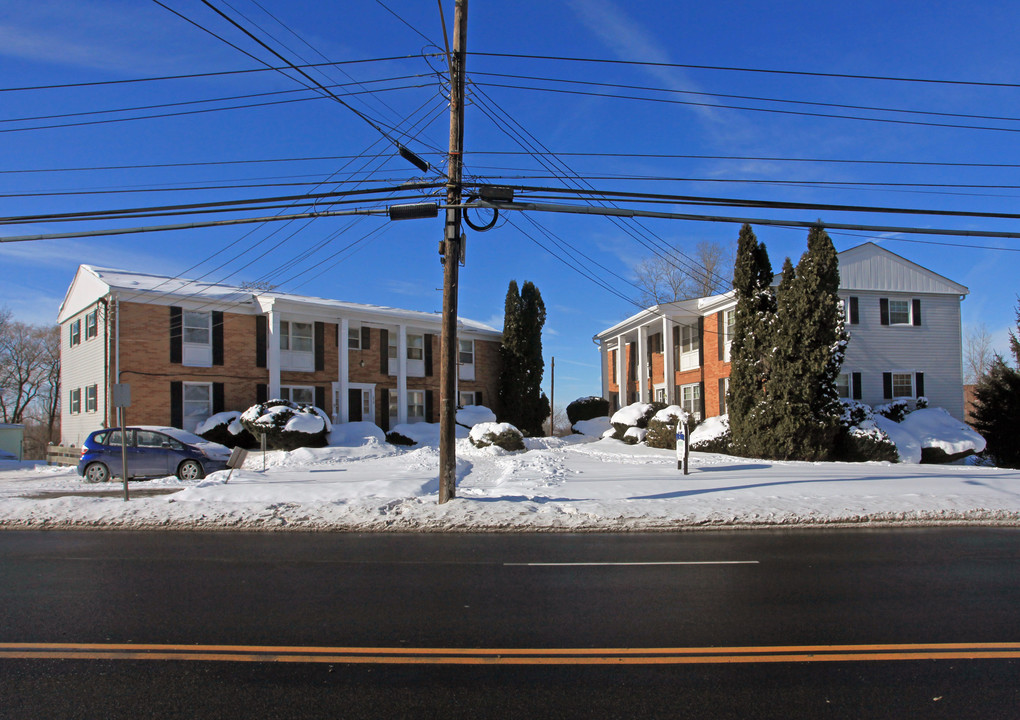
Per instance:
x=49, y=42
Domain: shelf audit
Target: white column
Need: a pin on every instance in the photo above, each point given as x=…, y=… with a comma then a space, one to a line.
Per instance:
x=621, y=373
x=607, y=372
x=402, y=374
x=273, y=354
x=642, y=366
x=344, y=372
x=667, y=360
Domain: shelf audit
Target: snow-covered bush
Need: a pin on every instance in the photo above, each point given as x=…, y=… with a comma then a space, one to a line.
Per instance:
x=596, y=427
x=287, y=425
x=942, y=437
x=662, y=427
x=502, y=435
x=587, y=408
x=712, y=435
x=420, y=433
x=859, y=438
x=634, y=415
x=395, y=438
x=226, y=429
x=471, y=415
x=634, y=435
x=895, y=411
x=922, y=403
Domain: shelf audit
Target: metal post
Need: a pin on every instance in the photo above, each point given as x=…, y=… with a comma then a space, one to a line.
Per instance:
x=451, y=264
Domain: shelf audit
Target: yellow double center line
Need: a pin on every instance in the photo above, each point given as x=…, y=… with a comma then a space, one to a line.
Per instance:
x=511, y=656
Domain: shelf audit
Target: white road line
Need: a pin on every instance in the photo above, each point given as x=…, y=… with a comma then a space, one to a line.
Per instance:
x=601, y=564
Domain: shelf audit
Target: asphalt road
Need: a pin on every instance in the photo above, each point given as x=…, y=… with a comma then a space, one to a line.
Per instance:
x=861, y=623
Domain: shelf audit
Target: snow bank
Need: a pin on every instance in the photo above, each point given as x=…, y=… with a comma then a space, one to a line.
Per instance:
x=907, y=445
x=424, y=433
x=710, y=428
x=356, y=434
x=596, y=427
x=936, y=428
x=471, y=415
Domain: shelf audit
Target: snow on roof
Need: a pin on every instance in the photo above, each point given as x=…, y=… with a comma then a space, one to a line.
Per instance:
x=138, y=286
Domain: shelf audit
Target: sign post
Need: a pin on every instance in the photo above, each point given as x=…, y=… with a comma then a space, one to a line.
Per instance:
x=683, y=444
x=121, y=400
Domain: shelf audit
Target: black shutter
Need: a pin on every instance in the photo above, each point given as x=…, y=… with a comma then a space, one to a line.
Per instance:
x=217, y=338
x=883, y=306
x=722, y=396
x=261, y=339
x=919, y=384
x=261, y=393
x=428, y=406
x=719, y=334
x=855, y=390
x=917, y=311
x=384, y=352
x=887, y=386
x=320, y=346
x=320, y=397
x=176, y=333
x=384, y=410
x=428, y=356
x=366, y=338
x=478, y=397
x=855, y=311
x=217, y=398
x=701, y=400
x=676, y=348
x=176, y=403
x=701, y=342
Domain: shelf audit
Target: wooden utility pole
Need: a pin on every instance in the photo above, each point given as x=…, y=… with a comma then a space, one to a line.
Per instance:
x=552, y=400
x=451, y=264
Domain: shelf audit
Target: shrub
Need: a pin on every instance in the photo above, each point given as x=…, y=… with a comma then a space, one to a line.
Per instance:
x=662, y=427
x=226, y=429
x=587, y=408
x=395, y=438
x=713, y=435
x=859, y=439
x=287, y=425
x=503, y=435
x=895, y=411
x=634, y=415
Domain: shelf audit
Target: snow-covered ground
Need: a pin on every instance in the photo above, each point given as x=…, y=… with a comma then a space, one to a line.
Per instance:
x=575, y=483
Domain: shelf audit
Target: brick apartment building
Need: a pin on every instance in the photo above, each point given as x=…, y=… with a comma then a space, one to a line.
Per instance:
x=905, y=341
x=189, y=349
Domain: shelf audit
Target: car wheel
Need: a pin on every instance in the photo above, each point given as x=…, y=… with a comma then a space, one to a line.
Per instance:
x=96, y=472
x=190, y=470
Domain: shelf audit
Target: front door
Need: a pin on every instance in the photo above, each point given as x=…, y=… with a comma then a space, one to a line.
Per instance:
x=354, y=404
x=360, y=402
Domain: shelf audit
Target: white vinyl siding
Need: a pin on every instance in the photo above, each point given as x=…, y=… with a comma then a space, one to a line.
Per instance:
x=84, y=365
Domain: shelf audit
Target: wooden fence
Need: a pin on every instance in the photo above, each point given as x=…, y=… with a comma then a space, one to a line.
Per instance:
x=60, y=455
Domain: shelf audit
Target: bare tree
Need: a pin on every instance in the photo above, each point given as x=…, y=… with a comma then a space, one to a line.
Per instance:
x=28, y=354
x=706, y=271
x=977, y=353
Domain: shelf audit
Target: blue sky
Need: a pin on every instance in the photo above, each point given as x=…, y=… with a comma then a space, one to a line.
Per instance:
x=51, y=42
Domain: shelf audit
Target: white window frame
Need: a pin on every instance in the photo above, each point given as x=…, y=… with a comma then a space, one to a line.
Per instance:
x=726, y=392
x=690, y=347
x=92, y=324
x=693, y=403
x=92, y=398
x=463, y=395
x=75, y=333
x=287, y=393
x=74, y=402
x=466, y=359
x=196, y=352
x=845, y=380
x=353, y=337
x=192, y=420
x=909, y=374
x=909, y=312
x=415, y=401
x=729, y=318
x=290, y=358
x=416, y=346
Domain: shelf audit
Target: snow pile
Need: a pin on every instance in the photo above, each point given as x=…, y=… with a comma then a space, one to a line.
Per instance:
x=471, y=415
x=710, y=429
x=907, y=445
x=231, y=419
x=596, y=427
x=356, y=434
x=423, y=433
x=635, y=435
x=936, y=428
x=672, y=414
x=631, y=415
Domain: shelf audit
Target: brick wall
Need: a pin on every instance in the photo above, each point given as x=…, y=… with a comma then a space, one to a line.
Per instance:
x=714, y=367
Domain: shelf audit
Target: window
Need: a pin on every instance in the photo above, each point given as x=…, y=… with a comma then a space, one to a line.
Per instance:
x=899, y=312
x=729, y=317
x=296, y=337
x=465, y=398
x=690, y=347
x=92, y=324
x=415, y=347
x=690, y=399
x=75, y=332
x=91, y=398
x=466, y=356
x=300, y=394
x=392, y=408
x=197, y=404
x=660, y=395
x=843, y=385
x=415, y=406
x=75, y=401
x=903, y=384
x=196, y=336
x=353, y=338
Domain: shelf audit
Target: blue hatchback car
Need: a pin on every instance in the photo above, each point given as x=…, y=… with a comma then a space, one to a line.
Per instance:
x=151, y=452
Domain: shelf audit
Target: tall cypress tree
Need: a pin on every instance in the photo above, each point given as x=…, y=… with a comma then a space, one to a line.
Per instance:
x=997, y=405
x=750, y=349
x=522, y=402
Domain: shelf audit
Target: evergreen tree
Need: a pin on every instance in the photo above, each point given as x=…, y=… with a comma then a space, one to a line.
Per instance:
x=997, y=405
x=522, y=402
x=750, y=348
